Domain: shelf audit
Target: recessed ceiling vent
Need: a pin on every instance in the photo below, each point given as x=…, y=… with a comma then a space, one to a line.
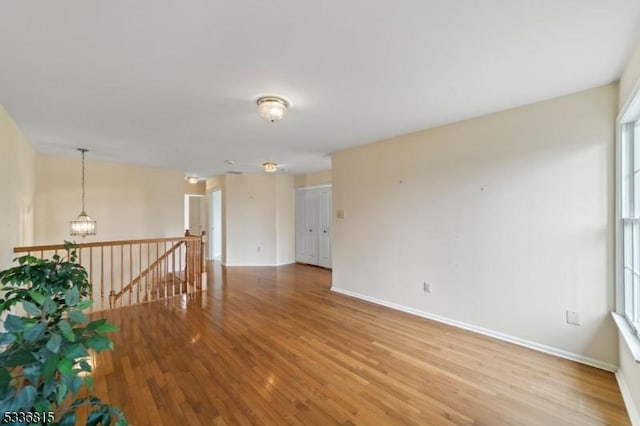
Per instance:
x=233, y=172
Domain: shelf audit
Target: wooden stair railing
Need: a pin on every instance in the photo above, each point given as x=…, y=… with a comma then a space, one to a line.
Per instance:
x=145, y=269
x=113, y=296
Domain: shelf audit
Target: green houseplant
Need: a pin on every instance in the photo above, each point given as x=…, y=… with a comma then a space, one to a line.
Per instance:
x=44, y=373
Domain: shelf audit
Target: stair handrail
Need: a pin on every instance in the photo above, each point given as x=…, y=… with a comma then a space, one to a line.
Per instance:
x=101, y=255
x=113, y=296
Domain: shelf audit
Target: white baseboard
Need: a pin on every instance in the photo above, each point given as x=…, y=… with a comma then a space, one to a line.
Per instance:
x=628, y=399
x=495, y=334
x=257, y=265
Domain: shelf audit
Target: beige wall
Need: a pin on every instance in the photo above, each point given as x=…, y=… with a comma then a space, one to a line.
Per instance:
x=285, y=219
x=16, y=189
x=258, y=219
x=199, y=188
x=629, y=369
x=313, y=179
x=126, y=201
x=630, y=76
x=250, y=220
x=214, y=183
x=509, y=217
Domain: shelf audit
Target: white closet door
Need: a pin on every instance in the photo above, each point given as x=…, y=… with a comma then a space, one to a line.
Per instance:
x=301, y=226
x=313, y=226
x=324, y=222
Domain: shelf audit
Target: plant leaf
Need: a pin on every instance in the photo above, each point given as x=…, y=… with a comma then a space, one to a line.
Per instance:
x=75, y=351
x=61, y=393
x=6, y=338
x=94, y=418
x=99, y=343
x=72, y=296
x=49, y=306
x=37, y=297
x=34, y=333
x=66, y=330
x=5, y=379
x=106, y=328
x=95, y=324
x=65, y=366
x=54, y=342
x=25, y=397
x=31, y=308
x=69, y=419
x=19, y=358
x=49, y=367
x=85, y=304
x=76, y=384
x=85, y=366
x=77, y=316
x=14, y=324
x=33, y=373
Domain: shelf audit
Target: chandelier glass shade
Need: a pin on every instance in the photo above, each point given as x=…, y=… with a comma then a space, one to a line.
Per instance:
x=270, y=167
x=272, y=108
x=83, y=225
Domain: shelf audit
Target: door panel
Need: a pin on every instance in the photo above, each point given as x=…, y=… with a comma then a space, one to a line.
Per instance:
x=324, y=219
x=301, y=226
x=313, y=226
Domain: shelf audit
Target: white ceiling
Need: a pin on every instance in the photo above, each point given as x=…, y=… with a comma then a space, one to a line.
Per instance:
x=173, y=83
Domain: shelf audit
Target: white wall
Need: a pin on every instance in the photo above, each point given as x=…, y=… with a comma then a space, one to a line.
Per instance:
x=509, y=216
x=629, y=368
x=126, y=201
x=17, y=160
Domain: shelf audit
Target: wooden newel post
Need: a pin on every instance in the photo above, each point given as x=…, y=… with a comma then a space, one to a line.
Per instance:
x=112, y=299
x=203, y=247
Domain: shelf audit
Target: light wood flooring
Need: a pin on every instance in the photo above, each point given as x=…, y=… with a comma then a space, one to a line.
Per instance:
x=276, y=346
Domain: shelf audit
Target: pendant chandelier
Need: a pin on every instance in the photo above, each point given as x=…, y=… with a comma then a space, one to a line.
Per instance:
x=83, y=225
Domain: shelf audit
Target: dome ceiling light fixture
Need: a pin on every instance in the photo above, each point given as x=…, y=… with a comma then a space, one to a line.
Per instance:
x=192, y=179
x=272, y=108
x=270, y=166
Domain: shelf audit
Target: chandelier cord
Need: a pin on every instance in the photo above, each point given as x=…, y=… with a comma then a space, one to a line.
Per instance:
x=83, y=151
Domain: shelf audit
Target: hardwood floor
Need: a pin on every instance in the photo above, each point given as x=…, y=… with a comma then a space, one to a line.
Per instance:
x=276, y=346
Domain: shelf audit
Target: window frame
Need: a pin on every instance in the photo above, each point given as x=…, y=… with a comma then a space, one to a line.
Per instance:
x=627, y=213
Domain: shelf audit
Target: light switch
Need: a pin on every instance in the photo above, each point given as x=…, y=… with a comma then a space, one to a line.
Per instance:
x=340, y=214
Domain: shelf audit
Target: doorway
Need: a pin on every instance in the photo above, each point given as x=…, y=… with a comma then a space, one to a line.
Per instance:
x=195, y=217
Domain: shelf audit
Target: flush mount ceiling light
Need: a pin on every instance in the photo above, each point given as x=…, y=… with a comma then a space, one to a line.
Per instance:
x=270, y=167
x=192, y=179
x=272, y=108
x=83, y=225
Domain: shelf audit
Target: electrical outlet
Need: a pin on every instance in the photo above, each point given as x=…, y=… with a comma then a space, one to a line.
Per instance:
x=573, y=318
x=426, y=287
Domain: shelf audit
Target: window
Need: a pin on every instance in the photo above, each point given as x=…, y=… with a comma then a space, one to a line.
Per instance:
x=629, y=175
